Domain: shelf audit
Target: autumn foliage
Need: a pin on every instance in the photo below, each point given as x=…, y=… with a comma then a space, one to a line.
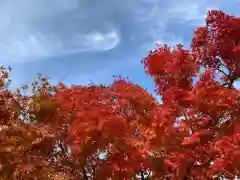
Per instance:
x=121, y=131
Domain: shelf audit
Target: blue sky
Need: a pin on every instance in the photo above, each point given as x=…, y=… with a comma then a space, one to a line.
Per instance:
x=92, y=39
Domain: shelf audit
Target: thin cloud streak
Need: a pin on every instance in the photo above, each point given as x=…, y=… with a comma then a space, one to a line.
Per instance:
x=25, y=37
x=89, y=36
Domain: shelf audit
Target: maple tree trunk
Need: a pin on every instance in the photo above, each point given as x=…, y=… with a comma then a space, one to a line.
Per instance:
x=84, y=174
x=142, y=176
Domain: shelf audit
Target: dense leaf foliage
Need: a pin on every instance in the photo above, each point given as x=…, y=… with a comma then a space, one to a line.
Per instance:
x=121, y=131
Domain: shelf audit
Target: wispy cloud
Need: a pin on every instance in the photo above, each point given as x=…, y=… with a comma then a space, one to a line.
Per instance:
x=191, y=12
x=27, y=32
x=36, y=45
x=94, y=41
x=32, y=30
x=89, y=36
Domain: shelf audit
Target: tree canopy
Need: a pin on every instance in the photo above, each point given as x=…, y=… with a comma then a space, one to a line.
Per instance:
x=120, y=131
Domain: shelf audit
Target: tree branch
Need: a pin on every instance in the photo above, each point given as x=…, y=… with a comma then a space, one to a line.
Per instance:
x=84, y=173
x=221, y=71
x=148, y=175
x=142, y=176
x=94, y=171
x=85, y=176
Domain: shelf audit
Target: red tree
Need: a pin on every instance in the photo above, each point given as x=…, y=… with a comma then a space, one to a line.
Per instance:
x=121, y=131
x=209, y=109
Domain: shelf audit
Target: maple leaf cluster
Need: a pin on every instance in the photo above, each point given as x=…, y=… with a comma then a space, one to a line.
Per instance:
x=121, y=131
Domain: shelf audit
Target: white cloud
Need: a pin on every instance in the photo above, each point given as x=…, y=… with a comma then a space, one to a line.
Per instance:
x=174, y=11
x=28, y=10
x=36, y=45
x=193, y=12
x=36, y=29
x=169, y=39
x=29, y=46
x=96, y=41
x=27, y=33
x=157, y=15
